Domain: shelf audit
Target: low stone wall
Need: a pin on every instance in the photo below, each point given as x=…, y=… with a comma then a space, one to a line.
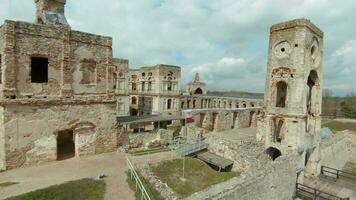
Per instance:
x=339, y=149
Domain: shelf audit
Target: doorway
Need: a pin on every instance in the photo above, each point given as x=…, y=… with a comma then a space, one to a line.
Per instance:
x=65, y=145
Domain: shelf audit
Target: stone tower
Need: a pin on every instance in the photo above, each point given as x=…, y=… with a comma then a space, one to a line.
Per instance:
x=50, y=12
x=291, y=119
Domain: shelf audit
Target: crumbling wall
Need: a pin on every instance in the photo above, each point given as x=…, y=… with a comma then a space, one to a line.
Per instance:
x=338, y=149
x=261, y=178
x=31, y=130
x=87, y=47
x=2, y=142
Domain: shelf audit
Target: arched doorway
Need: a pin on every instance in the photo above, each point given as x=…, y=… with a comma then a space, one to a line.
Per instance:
x=65, y=145
x=198, y=91
x=273, y=153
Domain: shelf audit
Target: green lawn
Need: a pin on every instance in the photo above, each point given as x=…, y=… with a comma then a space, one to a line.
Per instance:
x=84, y=189
x=198, y=175
x=154, y=194
x=339, y=126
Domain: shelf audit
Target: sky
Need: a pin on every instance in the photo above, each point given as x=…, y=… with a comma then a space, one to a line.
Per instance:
x=226, y=41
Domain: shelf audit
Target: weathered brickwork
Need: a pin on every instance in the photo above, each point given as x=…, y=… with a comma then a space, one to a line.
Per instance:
x=55, y=79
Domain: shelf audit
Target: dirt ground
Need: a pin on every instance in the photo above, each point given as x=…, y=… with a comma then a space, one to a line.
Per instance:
x=44, y=175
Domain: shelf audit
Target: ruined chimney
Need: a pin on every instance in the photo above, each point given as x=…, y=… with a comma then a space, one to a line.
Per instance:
x=50, y=12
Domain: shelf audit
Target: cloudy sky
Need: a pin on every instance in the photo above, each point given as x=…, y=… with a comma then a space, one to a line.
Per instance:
x=225, y=40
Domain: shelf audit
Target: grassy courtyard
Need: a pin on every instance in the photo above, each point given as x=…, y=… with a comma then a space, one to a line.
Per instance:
x=336, y=125
x=84, y=189
x=198, y=175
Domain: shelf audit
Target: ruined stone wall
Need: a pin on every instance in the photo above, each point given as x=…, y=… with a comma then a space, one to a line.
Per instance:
x=96, y=49
x=67, y=52
x=2, y=142
x=261, y=178
x=31, y=130
x=339, y=149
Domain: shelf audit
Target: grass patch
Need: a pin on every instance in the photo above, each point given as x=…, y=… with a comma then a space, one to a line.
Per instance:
x=339, y=126
x=154, y=194
x=7, y=184
x=84, y=189
x=198, y=175
x=149, y=151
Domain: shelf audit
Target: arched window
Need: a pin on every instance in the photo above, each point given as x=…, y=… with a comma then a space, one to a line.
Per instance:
x=281, y=95
x=312, y=91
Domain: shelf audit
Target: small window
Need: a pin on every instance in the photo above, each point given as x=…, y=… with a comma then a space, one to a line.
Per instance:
x=169, y=87
x=149, y=86
x=143, y=74
x=133, y=86
x=169, y=104
x=133, y=100
x=281, y=95
x=88, y=72
x=39, y=70
x=143, y=86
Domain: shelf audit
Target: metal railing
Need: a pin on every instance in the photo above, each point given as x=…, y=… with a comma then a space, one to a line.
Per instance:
x=335, y=173
x=309, y=193
x=138, y=182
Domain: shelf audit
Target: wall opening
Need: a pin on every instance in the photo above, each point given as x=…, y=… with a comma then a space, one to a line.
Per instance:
x=312, y=91
x=188, y=103
x=277, y=125
x=252, y=114
x=198, y=91
x=133, y=86
x=194, y=102
x=182, y=105
x=169, y=104
x=133, y=112
x=133, y=100
x=65, y=145
x=39, y=70
x=143, y=86
x=273, y=153
x=169, y=86
x=149, y=87
x=281, y=95
x=234, y=120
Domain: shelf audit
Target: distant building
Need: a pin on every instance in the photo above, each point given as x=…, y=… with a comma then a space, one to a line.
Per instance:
x=154, y=90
